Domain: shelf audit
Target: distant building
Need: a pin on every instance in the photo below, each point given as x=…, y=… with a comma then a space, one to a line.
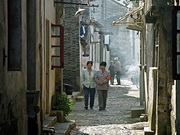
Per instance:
x=158, y=24
x=120, y=44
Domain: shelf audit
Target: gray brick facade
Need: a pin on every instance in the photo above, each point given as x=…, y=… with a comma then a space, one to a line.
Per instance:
x=71, y=47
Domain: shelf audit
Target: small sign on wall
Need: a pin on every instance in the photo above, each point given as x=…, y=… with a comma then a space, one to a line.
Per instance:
x=106, y=39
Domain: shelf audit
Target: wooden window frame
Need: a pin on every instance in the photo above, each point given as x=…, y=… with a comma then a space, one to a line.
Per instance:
x=61, y=46
x=175, y=53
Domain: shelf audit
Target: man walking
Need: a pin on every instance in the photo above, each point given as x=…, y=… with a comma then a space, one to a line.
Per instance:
x=118, y=70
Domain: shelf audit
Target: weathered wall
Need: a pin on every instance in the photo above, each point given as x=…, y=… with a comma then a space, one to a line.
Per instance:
x=165, y=72
x=71, y=47
x=41, y=14
x=59, y=72
x=94, y=48
x=32, y=44
x=13, y=116
x=47, y=75
x=160, y=56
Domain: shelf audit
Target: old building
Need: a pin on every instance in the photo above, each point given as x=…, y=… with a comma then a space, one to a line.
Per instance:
x=44, y=52
x=95, y=43
x=119, y=43
x=158, y=56
x=13, y=67
x=30, y=31
x=158, y=24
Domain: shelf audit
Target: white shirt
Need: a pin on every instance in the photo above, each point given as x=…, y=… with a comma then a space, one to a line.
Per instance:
x=89, y=78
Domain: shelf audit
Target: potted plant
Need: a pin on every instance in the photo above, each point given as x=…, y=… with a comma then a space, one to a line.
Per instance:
x=64, y=104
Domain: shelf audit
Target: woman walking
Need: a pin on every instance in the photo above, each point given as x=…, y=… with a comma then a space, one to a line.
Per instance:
x=89, y=85
x=102, y=78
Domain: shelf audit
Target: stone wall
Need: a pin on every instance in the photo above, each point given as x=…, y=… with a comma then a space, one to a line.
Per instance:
x=158, y=54
x=71, y=47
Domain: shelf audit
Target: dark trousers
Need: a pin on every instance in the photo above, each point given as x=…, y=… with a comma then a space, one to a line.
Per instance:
x=118, y=77
x=102, y=98
x=112, y=78
x=87, y=92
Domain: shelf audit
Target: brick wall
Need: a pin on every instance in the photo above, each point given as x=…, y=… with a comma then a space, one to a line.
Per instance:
x=71, y=47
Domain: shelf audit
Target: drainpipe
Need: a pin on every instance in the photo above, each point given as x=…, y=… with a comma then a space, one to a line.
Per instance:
x=142, y=69
x=142, y=63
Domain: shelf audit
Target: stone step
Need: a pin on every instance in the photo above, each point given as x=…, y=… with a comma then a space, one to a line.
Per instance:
x=137, y=111
x=80, y=98
x=50, y=121
x=148, y=131
x=64, y=128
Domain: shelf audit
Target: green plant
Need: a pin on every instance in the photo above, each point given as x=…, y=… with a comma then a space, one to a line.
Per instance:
x=64, y=104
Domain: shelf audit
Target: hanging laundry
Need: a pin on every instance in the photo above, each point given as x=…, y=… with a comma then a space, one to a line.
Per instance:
x=82, y=31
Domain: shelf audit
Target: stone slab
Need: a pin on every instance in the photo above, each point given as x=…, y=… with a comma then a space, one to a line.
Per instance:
x=64, y=128
x=80, y=98
x=50, y=121
x=148, y=131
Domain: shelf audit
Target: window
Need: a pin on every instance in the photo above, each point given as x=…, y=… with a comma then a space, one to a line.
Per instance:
x=14, y=35
x=176, y=43
x=57, y=46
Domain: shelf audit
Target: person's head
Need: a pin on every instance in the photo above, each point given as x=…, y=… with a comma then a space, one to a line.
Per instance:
x=103, y=65
x=89, y=64
x=111, y=62
x=116, y=59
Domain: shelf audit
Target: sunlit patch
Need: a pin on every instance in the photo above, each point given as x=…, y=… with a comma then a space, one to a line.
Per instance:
x=110, y=129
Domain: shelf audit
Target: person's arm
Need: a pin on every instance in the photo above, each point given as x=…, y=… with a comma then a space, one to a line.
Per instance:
x=97, y=79
x=107, y=78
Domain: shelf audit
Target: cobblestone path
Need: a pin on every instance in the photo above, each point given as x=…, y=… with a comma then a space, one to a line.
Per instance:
x=115, y=120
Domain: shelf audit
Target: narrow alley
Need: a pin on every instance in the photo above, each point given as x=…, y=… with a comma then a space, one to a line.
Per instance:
x=54, y=52
x=115, y=120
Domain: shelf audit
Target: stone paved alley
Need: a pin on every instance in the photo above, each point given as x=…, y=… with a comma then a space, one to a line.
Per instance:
x=115, y=120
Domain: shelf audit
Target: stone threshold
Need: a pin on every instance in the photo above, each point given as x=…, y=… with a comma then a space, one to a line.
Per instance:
x=64, y=128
